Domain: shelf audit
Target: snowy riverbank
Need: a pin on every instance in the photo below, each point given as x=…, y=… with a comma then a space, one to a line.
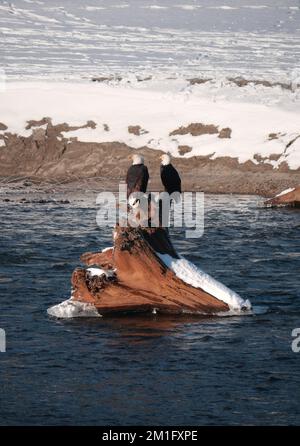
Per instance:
x=252, y=123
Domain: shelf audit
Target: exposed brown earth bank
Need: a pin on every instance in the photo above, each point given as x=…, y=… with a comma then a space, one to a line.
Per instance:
x=239, y=81
x=47, y=155
x=197, y=129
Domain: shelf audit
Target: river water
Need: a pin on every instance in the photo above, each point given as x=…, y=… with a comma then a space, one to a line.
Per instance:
x=152, y=369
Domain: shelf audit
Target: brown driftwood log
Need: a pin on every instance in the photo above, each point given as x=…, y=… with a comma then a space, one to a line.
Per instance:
x=142, y=282
x=289, y=199
x=105, y=259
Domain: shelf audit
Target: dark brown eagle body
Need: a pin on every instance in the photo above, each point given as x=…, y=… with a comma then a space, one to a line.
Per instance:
x=137, y=179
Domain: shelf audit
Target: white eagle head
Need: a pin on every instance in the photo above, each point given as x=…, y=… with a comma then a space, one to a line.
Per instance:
x=137, y=159
x=165, y=159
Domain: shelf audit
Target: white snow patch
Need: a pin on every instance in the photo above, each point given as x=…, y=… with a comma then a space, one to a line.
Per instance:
x=286, y=191
x=99, y=272
x=188, y=7
x=96, y=272
x=107, y=249
x=155, y=7
x=255, y=6
x=94, y=8
x=191, y=274
x=224, y=7
x=71, y=308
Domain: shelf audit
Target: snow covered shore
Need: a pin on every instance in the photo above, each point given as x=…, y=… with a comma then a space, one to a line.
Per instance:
x=254, y=123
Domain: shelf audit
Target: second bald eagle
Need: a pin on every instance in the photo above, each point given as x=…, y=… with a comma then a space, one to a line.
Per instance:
x=169, y=176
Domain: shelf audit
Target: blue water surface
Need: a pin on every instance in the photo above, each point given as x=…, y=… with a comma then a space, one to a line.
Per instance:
x=152, y=369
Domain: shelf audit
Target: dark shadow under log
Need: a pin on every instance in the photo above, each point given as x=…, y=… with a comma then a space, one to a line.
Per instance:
x=141, y=282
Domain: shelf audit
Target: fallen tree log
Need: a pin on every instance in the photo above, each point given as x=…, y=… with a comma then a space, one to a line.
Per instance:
x=132, y=277
x=290, y=197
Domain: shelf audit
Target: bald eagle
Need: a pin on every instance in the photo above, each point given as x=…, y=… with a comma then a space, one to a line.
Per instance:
x=169, y=175
x=137, y=176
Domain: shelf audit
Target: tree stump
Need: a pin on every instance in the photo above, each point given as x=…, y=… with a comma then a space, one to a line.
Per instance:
x=140, y=281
